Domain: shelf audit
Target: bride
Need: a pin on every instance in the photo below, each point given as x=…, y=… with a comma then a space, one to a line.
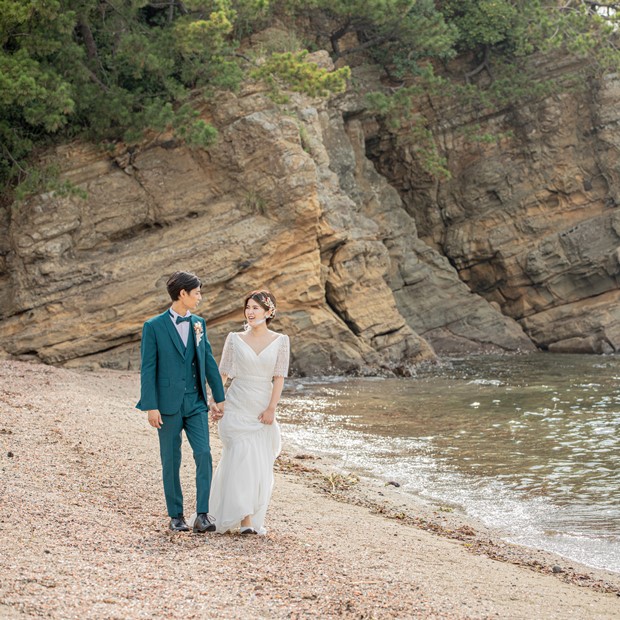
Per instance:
x=257, y=362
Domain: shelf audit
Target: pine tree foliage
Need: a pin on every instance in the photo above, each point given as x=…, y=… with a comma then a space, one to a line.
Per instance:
x=111, y=69
x=108, y=69
x=300, y=76
x=517, y=28
x=394, y=29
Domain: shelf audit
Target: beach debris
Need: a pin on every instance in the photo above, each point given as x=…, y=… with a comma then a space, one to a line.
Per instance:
x=286, y=464
x=340, y=482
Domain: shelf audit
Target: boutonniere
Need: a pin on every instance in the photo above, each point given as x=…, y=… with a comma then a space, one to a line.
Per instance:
x=198, y=331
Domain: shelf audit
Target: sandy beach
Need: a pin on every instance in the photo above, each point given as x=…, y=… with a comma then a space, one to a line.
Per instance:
x=85, y=534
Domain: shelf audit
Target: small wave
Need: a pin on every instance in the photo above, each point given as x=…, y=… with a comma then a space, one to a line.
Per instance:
x=495, y=382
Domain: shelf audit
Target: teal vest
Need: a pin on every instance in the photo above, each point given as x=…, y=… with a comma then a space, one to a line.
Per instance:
x=191, y=365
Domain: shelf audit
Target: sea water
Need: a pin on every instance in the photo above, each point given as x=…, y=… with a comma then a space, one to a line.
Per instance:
x=530, y=445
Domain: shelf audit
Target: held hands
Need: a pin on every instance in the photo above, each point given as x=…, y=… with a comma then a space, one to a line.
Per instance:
x=154, y=418
x=217, y=410
x=268, y=416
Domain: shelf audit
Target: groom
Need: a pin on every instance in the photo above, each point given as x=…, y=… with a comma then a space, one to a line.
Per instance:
x=176, y=361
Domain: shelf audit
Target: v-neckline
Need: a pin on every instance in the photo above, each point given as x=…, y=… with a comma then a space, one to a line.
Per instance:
x=263, y=349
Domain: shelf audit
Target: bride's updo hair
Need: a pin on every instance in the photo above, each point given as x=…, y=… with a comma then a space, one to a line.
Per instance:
x=265, y=300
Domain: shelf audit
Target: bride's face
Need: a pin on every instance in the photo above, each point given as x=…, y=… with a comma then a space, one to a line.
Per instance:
x=255, y=314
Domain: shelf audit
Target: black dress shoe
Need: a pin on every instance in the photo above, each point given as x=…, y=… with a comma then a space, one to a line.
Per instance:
x=177, y=524
x=204, y=523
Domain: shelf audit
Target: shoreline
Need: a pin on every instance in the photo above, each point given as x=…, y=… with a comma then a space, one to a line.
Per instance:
x=86, y=533
x=332, y=418
x=383, y=498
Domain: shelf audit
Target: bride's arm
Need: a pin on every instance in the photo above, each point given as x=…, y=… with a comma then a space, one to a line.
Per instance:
x=279, y=372
x=224, y=379
x=227, y=369
x=267, y=416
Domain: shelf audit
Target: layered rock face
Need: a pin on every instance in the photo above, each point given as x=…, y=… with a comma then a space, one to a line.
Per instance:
x=531, y=221
x=522, y=240
x=82, y=275
x=428, y=293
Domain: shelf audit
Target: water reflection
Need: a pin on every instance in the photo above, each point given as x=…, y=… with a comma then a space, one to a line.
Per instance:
x=528, y=444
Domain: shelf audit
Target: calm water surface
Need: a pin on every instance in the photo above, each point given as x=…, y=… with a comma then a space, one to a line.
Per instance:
x=528, y=444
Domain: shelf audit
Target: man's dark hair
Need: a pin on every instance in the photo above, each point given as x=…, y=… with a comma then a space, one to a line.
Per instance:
x=181, y=281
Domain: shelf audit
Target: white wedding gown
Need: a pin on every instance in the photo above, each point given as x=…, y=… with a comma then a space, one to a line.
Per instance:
x=243, y=481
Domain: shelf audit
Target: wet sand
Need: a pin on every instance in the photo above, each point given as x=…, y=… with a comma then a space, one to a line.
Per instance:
x=84, y=531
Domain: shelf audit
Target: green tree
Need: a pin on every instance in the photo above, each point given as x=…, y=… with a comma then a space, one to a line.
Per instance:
x=481, y=24
x=35, y=98
x=108, y=69
x=389, y=30
x=513, y=29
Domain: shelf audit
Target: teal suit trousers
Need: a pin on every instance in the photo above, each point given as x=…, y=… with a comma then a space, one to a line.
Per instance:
x=193, y=418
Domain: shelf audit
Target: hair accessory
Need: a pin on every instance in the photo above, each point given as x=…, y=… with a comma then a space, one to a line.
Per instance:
x=269, y=303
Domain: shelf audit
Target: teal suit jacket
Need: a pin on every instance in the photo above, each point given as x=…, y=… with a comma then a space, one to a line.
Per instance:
x=162, y=370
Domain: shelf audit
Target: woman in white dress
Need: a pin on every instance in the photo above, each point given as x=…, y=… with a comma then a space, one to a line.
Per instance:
x=257, y=361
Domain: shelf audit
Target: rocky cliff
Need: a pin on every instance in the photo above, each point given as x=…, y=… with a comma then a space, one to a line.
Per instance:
x=530, y=221
x=374, y=266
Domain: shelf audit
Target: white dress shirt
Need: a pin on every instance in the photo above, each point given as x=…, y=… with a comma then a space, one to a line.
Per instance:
x=182, y=328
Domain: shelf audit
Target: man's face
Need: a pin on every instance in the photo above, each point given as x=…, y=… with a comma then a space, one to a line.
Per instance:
x=191, y=299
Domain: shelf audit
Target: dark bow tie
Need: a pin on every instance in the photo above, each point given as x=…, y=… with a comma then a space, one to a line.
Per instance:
x=182, y=319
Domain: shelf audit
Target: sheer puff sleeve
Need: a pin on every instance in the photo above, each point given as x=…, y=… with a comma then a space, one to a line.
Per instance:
x=284, y=352
x=227, y=363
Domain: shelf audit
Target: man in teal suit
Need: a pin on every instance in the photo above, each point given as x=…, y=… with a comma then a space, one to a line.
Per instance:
x=177, y=362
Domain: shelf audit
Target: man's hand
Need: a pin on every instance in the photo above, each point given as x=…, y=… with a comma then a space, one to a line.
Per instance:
x=155, y=418
x=217, y=410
